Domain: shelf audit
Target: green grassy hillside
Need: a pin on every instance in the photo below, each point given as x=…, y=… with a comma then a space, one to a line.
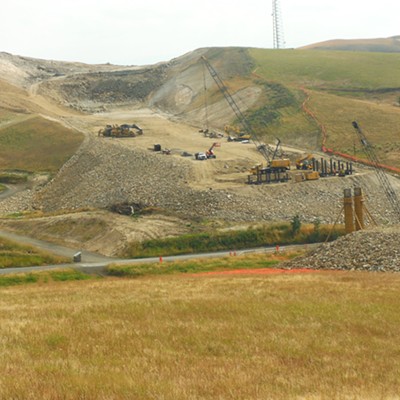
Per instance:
x=345, y=86
x=35, y=144
x=386, y=45
x=329, y=69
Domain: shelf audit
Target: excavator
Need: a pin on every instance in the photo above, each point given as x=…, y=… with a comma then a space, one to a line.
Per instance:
x=305, y=162
x=209, y=153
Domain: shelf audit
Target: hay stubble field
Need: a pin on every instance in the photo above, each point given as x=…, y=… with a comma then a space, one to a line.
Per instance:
x=319, y=336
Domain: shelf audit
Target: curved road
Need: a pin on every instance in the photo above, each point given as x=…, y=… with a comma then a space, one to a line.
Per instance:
x=96, y=263
x=11, y=190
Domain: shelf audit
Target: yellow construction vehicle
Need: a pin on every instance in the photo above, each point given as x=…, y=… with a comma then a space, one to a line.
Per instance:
x=306, y=176
x=235, y=135
x=311, y=175
x=256, y=168
x=120, y=131
x=305, y=162
x=280, y=164
x=231, y=130
x=277, y=165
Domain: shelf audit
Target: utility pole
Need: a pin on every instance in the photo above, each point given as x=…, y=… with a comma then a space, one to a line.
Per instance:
x=279, y=42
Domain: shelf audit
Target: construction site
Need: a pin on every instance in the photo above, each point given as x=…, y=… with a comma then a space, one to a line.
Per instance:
x=183, y=141
x=180, y=222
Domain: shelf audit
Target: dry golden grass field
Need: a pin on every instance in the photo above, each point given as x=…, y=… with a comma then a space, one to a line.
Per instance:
x=326, y=335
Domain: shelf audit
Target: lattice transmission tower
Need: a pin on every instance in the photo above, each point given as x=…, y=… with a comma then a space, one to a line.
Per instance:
x=279, y=42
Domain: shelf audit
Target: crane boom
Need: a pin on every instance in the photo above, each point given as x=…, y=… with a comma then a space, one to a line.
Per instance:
x=240, y=116
x=382, y=177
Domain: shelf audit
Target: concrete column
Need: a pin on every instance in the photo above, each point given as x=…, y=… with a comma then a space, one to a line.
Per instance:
x=348, y=211
x=359, y=209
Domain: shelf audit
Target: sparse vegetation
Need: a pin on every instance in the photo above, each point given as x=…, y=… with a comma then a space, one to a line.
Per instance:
x=16, y=255
x=276, y=99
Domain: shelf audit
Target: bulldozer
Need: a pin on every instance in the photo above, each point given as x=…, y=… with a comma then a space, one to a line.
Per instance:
x=121, y=131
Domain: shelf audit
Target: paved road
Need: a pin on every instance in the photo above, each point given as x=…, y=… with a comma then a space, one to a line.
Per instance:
x=54, y=248
x=96, y=263
x=11, y=190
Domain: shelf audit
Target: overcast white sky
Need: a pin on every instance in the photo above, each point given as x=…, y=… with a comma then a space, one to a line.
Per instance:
x=138, y=32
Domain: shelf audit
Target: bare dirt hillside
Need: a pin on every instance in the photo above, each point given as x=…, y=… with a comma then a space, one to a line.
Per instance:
x=167, y=101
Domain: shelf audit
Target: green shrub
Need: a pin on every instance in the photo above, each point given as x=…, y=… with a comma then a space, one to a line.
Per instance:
x=296, y=225
x=233, y=240
x=13, y=178
x=17, y=279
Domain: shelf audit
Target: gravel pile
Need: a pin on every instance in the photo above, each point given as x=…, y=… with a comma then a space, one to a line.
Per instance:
x=21, y=201
x=103, y=173
x=368, y=250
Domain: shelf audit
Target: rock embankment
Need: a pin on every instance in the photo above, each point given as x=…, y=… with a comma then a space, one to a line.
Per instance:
x=369, y=250
x=16, y=202
x=105, y=172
